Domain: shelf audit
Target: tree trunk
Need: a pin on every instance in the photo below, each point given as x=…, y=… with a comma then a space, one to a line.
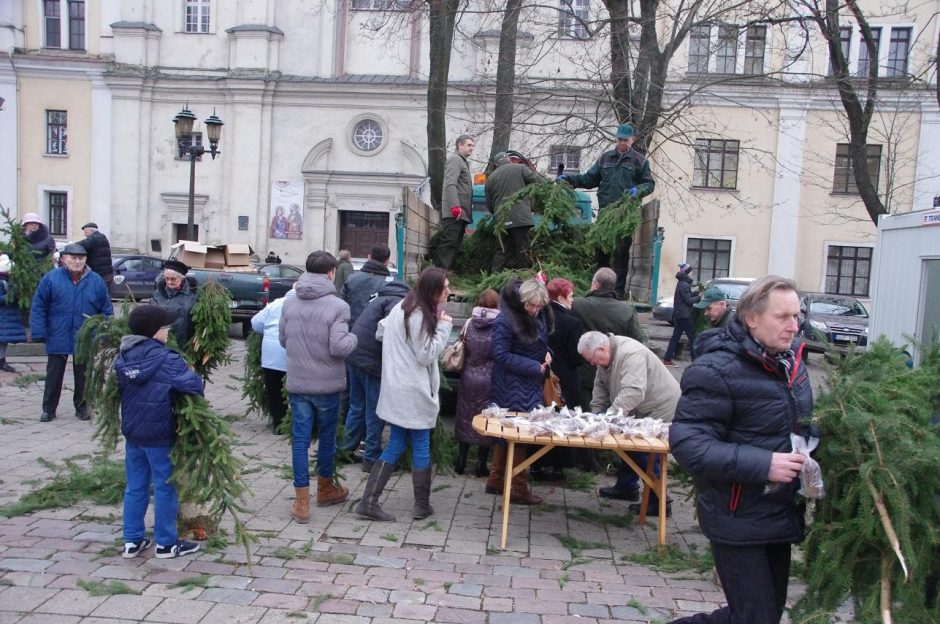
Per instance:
x=620, y=81
x=443, y=14
x=505, y=79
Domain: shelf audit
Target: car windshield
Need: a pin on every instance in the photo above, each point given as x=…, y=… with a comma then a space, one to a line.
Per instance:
x=838, y=307
x=732, y=290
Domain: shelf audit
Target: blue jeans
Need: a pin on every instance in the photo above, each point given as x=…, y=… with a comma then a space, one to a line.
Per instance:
x=680, y=326
x=361, y=419
x=627, y=479
x=143, y=464
x=420, y=440
x=308, y=410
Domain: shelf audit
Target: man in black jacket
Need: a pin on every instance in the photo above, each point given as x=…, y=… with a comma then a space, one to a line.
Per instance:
x=361, y=286
x=682, y=303
x=99, y=252
x=744, y=395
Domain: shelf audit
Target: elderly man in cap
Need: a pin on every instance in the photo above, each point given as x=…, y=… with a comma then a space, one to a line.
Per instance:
x=714, y=305
x=618, y=172
x=173, y=292
x=64, y=298
x=506, y=179
x=99, y=252
x=630, y=378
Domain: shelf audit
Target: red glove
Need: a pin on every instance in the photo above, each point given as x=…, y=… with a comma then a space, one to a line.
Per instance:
x=455, y=211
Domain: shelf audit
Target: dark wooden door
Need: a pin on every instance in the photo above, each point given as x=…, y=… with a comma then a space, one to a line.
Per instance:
x=179, y=232
x=359, y=231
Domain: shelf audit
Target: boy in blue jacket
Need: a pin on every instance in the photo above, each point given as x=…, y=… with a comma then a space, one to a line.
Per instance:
x=149, y=375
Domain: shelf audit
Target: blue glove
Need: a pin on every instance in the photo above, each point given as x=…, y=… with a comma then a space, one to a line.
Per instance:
x=563, y=176
x=632, y=192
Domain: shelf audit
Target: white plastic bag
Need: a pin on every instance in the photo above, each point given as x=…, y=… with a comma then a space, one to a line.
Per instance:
x=811, y=479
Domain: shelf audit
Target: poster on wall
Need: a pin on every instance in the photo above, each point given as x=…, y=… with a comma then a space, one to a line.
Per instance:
x=287, y=220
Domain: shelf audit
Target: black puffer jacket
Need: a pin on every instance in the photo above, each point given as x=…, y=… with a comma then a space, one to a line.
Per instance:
x=683, y=299
x=182, y=300
x=739, y=406
x=362, y=285
x=41, y=241
x=368, y=353
x=99, y=253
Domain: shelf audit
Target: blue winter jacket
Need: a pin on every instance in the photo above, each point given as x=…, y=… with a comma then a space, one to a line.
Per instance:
x=149, y=376
x=368, y=353
x=60, y=306
x=738, y=407
x=517, y=363
x=11, y=323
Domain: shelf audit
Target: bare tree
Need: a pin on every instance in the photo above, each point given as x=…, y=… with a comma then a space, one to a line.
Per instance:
x=442, y=17
x=505, y=78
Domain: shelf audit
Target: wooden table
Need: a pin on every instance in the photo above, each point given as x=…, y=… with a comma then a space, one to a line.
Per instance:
x=621, y=445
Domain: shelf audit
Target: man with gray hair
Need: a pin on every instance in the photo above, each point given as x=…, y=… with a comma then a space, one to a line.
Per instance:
x=507, y=179
x=456, y=203
x=631, y=378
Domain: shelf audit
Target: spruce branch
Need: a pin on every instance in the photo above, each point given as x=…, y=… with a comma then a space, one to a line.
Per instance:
x=28, y=267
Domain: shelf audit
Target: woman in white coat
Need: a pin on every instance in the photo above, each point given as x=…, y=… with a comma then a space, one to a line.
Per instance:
x=413, y=336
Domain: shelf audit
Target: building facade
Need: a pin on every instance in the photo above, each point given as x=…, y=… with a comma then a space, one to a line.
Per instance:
x=324, y=106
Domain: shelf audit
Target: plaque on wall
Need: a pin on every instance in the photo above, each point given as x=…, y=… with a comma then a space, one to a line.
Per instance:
x=242, y=222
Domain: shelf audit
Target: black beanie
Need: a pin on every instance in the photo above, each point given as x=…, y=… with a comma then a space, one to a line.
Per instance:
x=146, y=320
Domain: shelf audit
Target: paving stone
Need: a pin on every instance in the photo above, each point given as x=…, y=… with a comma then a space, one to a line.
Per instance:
x=337, y=618
x=45, y=618
x=460, y=616
x=497, y=605
x=283, y=601
x=24, y=599
x=284, y=616
x=230, y=596
x=71, y=602
x=127, y=606
x=466, y=589
x=367, y=594
x=233, y=614
x=176, y=611
x=412, y=611
x=337, y=605
x=278, y=586
x=546, y=607
x=24, y=565
x=567, y=619
x=589, y=610
x=515, y=618
x=28, y=579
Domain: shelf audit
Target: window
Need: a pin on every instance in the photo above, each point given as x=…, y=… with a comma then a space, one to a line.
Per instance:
x=59, y=31
x=711, y=257
x=197, y=16
x=699, y=48
x=863, y=60
x=57, y=132
x=380, y=5
x=58, y=212
x=726, y=53
x=368, y=135
x=754, y=44
x=567, y=155
x=76, y=25
x=716, y=164
x=898, y=49
x=844, y=178
x=845, y=42
x=52, y=12
x=848, y=270
x=572, y=18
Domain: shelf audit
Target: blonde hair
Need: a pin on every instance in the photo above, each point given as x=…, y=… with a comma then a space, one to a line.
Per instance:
x=533, y=291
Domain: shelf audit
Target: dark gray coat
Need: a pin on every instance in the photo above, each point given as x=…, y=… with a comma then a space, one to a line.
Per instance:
x=507, y=179
x=182, y=301
x=362, y=285
x=683, y=299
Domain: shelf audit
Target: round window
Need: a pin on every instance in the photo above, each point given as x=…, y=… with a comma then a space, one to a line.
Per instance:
x=368, y=135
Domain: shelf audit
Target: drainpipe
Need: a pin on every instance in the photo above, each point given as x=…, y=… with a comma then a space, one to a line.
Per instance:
x=400, y=234
x=657, y=252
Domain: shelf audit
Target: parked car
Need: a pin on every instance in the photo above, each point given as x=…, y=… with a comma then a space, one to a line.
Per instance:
x=733, y=288
x=134, y=276
x=833, y=322
x=281, y=277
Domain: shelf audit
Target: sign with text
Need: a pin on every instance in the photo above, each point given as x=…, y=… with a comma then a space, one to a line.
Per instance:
x=930, y=218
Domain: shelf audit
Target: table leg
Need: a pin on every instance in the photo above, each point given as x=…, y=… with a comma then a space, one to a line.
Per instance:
x=661, y=491
x=507, y=488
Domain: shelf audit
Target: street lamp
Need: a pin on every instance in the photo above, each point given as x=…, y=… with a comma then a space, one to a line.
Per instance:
x=186, y=145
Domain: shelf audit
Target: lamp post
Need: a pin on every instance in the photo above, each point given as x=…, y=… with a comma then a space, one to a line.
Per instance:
x=186, y=145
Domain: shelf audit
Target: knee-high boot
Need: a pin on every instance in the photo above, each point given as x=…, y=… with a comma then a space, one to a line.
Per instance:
x=483, y=453
x=460, y=464
x=494, y=484
x=520, y=494
x=421, y=479
x=369, y=505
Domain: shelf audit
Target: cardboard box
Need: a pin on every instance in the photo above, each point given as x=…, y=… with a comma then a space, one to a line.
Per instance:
x=237, y=255
x=215, y=258
x=240, y=269
x=191, y=253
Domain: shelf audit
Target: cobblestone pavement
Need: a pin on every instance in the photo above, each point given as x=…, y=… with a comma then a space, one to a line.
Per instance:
x=339, y=568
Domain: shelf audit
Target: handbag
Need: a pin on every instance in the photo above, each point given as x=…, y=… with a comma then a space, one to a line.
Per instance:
x=551, y=390
x=453, y=356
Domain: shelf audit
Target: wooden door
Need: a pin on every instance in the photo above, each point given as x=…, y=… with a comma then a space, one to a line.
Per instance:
x=359, y=231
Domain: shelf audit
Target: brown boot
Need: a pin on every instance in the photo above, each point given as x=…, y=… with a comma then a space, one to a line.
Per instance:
x=301, y=511
x=494, y=484
x=519, y=493
x=330, y=492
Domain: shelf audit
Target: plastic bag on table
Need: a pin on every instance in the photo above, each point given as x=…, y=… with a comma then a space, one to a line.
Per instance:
x=811, y=479
x=494, y=411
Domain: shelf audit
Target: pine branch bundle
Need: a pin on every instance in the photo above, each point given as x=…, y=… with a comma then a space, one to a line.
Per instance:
x=27, y=269
x=874, y=537
x=472, y=286
x=555, y=201
x=212, y=315
x=253, y=388
x=615, y=222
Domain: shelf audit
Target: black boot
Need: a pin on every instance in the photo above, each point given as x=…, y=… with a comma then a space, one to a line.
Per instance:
x=369, y=505
x=6, y=367
x=483, y=454
x=460, y=464
x=421, y=479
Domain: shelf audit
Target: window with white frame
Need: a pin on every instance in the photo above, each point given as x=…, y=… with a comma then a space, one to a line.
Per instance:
x=380, y=5
x=892, y=48
x=848, y=270
x=68, y=33
x=755, y=41
x=845, y=42
x=573, y=17
x=843, y=179
x=196, y=16
x=715, y=164
x=57, y=131
x=711, y=257
x=863, y=59
x=726, y=52
x=567, y=155
x=699, y=48
x=899, y=48
x=57, y=207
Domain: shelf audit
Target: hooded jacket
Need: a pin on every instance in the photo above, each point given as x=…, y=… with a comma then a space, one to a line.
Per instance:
x=517, y=370
x=41, y=241
x=738, y=407
x=361, y=286
x=368, y=353
x=60, y=307
x=314, y=328
x=683, y=299
x=149, y=376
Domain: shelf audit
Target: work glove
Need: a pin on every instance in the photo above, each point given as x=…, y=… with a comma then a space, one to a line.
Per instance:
x=563, y=176
x=455, y=211
x=633, y=192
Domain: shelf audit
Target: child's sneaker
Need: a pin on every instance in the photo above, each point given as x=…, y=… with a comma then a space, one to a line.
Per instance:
x=180, y=548
x=132, y=549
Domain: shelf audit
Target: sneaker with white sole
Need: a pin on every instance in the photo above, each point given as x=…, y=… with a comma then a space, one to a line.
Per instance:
x=132, y=549
x=180, y=548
